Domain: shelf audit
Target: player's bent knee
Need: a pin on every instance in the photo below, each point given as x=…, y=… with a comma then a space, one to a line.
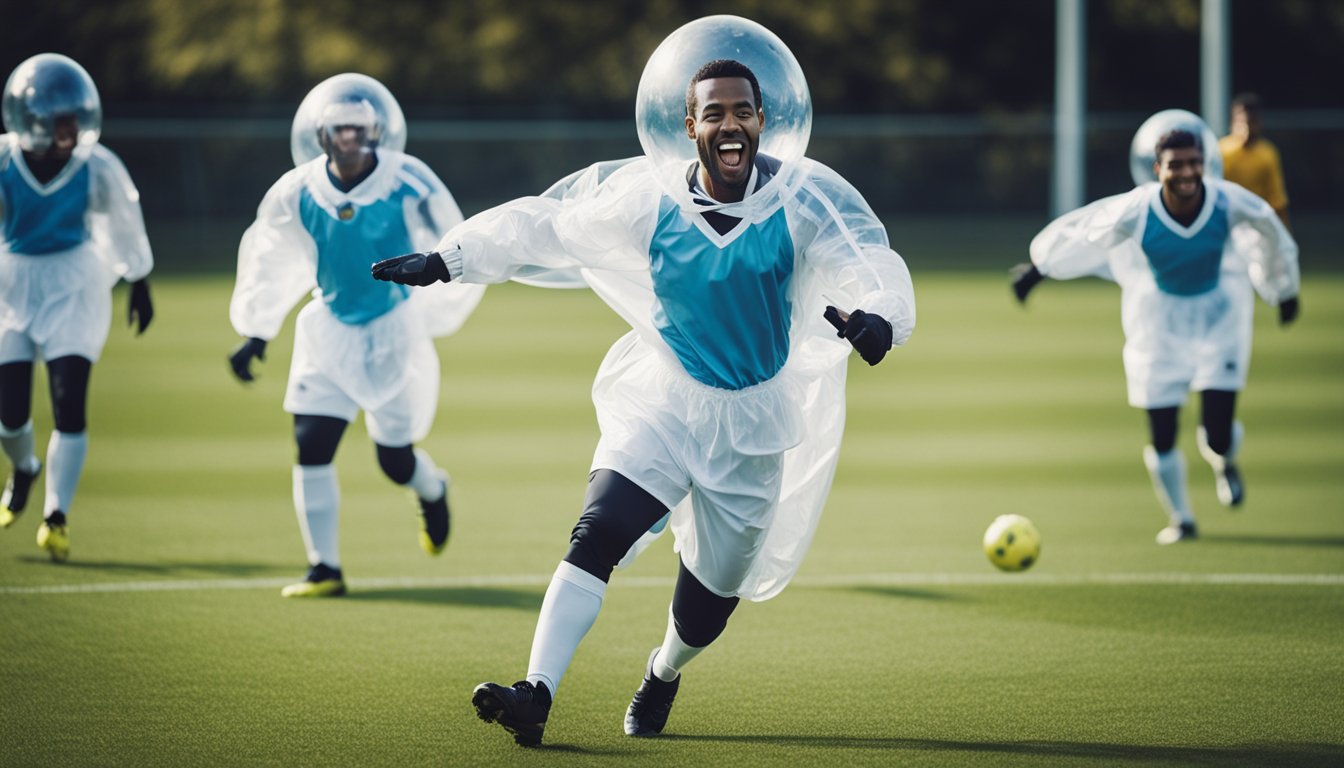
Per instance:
x=699, y=615
x=397, y=463
x=616, y=513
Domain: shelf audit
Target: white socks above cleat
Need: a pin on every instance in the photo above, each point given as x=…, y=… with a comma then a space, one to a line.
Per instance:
x=1168, y=473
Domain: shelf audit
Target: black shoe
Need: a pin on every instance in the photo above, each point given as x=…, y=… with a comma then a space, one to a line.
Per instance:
x=15, y=496
x=1230, y=490
x=652, y=703
x=436, y=523
x=522, y=709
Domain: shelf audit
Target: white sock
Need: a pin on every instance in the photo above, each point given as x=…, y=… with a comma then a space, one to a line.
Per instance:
x=317, y=500
x=65, y=463
x=1168, y=473
x=19, y=447
x=1216, y=460
x=428, y=481
x=674, y=654
x=567, y=613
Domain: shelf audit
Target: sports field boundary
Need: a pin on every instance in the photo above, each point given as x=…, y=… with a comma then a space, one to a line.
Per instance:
x=838, y=581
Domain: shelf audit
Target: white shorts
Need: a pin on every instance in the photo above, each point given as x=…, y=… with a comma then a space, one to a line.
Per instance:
x=677, y=438
x=387, y=368
x=1180, y=344
x=42, y=316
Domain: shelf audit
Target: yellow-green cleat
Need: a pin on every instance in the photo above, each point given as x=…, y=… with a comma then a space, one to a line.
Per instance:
x=435, y=521
x=54, y=537
x=321, y=581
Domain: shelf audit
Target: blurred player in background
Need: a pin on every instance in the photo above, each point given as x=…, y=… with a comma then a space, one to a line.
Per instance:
x=1186, y=251
x=72, y=228
x=1250, y=159
x=360, y=345
x=725, y=403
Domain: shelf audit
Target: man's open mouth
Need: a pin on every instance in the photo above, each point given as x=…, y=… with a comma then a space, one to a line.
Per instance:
x=730, y=154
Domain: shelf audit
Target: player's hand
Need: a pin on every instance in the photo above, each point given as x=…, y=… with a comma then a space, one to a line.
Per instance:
x=413, y=269
x=1288, y=309
x=241, y=359
x=1025, y=277
x=140, y=310
x=869, y=334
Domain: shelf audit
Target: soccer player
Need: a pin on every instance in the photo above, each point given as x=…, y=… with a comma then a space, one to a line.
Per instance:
x=725, y=403
x=72, y=228
x=1250, y=159
x=360, y=345
x=1186, y=251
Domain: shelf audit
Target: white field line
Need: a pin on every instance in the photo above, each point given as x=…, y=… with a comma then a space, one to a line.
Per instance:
x=857, y=580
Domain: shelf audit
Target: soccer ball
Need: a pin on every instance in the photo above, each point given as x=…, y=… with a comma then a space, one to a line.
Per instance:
x=1012, y=543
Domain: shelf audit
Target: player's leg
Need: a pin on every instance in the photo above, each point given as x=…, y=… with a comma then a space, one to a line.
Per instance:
x=1166, y=467
x=16, y=434
x=1219, y=439
x=68, y=380
x=413, y=467
x=616, y=513
x=317, y=501
x=697, y=617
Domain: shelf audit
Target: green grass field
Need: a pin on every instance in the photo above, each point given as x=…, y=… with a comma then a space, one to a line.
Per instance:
x=164, y=641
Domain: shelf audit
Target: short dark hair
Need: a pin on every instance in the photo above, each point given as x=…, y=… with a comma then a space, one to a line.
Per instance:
x=722, y=68
x=1250, y=102
x=1178, y=138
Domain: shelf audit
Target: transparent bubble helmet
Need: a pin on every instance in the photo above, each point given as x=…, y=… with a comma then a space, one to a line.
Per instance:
x=343, y=98
x=44, y=88
x=660, y=105
x=1143, y=149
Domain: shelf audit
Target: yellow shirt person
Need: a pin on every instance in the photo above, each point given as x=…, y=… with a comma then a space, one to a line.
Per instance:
x=1250, y=159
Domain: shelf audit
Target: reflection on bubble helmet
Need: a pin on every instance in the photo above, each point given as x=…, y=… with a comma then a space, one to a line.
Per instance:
x=660, y=106
x=1143, y=149
x=44, y=88
x=347, y=99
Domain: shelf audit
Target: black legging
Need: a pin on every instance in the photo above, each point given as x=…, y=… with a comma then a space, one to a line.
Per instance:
x=68, y=382
x=1217, y=410
x=319, y=436
x=616, y=513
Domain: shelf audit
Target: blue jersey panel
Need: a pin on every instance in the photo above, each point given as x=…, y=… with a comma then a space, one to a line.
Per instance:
x=1187, y=266
x=348, y=243
x=724, y=311
x=36, y=224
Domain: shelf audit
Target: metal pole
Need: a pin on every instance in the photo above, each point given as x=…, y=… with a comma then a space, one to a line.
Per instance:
x=1215, y=64
x=1067, y=186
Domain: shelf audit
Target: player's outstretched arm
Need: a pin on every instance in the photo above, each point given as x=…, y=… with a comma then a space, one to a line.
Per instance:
x=140, y=310
x=241, y=358
x=1288, y=309
x=413, y=269
x=869, y=334
x=1025, y=277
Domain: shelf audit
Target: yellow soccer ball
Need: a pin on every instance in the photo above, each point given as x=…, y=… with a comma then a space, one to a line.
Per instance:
x=1012, y=543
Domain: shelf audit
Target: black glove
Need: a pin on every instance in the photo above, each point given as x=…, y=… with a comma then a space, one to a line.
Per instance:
x=241, y=359
x=1288, y=311
x=869, y=334
x=141, y=308
x=413, y=269
x=1025, y=277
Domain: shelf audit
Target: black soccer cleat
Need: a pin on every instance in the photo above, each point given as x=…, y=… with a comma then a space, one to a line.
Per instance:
x=15, y=496
x=652, y=703
x=435, y=523
x=1231, y=492
x=522, y=709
